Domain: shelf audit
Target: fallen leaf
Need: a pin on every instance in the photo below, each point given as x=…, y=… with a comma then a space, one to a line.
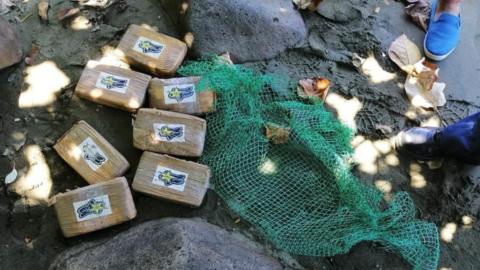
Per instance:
x=32, y=55
x=422, y=87
x=426, y=74
x=6, y=5
x=404, y=53
x=67, y=13
x=419, y=12
x=427, y=78
x=11, y=177
x=226, y=58
x=302, y=4
x=43, y=6
x=314, y=87
x=277, y=134
x=96, y=3
x=310, y=4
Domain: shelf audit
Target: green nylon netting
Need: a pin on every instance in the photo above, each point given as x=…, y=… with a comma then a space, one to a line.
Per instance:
x=301, y=194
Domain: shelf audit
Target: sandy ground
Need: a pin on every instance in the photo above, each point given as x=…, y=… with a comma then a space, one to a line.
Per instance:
x=378, y=107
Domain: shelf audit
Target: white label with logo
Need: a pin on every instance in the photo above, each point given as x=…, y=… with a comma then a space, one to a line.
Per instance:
x=92, y=208
x=180, y=93
x=169, y=132
x=112, y=82
x=148, y=47
x=92, y=154
x=169, y=178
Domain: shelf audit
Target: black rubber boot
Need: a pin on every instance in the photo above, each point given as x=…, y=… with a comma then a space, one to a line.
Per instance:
x=460, y=141
x=419, y=143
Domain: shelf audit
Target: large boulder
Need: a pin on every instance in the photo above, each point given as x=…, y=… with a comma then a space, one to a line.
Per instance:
x=10, y=51
x=250, y=30
x=168, y=244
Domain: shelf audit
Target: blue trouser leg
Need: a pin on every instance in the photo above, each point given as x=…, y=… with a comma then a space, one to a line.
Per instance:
x=462, y=140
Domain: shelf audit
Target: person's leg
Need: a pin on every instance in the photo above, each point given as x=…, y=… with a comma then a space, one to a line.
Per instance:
x=443, y=31
x=459, y=141
x=449, y=6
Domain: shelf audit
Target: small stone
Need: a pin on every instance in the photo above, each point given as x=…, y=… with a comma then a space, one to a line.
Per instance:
x=12, y=77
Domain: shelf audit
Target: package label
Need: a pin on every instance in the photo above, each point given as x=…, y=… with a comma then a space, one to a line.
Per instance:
x=169, y=178
x=181, y=93
x=169, y=132
x=92, y=208
x=92, y=154
x=112, y=82
x=148, y=47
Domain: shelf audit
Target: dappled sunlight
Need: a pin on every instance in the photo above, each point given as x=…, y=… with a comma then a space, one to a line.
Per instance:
x=111, y=57
x=370, y=154
x=74, y=151
x=385, y=187
x=267, y=167
x=366, y=156
x=36, y=183
x=417, y=180
x=183, y=7
x=95, y=93
x=446, y=268
x=149, y=27
x=81, y=23
x=375, y=73
x=392, y=160
x=133, y=103
x=346, y=109
x=189, y=38
x=411, y=113
x=433, y=121
x=44, y=81
x=467, y=222
x=447, y=232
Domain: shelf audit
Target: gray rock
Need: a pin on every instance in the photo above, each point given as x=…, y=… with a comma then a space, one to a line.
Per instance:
x=340, y=11
x=10, y=51
x=250, y=30
x=168, y=244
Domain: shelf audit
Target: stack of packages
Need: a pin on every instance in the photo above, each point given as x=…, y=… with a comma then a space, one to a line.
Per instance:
x=167, y=128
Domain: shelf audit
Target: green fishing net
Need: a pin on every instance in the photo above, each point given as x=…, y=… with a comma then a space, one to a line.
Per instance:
x=297, y=188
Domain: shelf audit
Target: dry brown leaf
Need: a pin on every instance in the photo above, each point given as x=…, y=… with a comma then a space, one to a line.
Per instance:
x=310, y=4
x=277, y=134
x=427, y=78
x=314, y=87
x=422, y=87
x=43, y=6
x=404, y=53
x=67, y=13
x=426, y=74
x=419, y=12
x=226, y=58
x=32, y=55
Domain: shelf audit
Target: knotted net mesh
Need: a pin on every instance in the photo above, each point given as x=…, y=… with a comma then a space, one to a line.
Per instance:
x=298, y=191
